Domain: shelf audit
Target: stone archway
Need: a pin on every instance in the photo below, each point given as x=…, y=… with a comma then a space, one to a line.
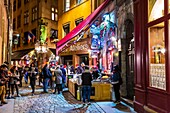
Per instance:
x=127, y=61
x=129, y=28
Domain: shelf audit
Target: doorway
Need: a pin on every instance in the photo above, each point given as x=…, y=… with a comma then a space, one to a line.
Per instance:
x=129, y=59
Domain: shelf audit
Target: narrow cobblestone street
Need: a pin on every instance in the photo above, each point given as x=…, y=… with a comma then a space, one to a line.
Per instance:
x=57, y=103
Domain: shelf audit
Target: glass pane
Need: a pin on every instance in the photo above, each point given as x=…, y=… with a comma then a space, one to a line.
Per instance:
x=52, y=16
x=169, y=6
x=52, y=9
x=56, y=17
x=155, y=9
x=157, y=56
x=56, y=10
x=79, y=1
x=67, y=5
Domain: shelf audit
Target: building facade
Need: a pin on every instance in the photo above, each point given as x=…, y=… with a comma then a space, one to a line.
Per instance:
x=121, y=14
x=125, y=18
x=29, y=18
x=152, y=80
x=4, y=29
x=71, y=13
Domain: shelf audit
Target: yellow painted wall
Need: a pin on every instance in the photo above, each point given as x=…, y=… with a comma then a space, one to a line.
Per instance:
x=82, y=10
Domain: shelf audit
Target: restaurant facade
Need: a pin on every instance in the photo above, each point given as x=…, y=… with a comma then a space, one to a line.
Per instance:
x=152, y=75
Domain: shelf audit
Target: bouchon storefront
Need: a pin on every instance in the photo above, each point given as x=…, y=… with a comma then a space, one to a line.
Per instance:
x=152, y=37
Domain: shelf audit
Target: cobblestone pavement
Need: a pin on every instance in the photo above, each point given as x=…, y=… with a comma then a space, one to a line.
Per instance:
x=51, y=103
x=58, y=103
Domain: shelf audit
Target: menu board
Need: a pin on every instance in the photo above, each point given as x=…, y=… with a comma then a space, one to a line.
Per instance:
x=157, y=76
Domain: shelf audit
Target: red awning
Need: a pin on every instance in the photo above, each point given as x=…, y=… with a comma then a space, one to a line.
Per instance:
x=80, y=27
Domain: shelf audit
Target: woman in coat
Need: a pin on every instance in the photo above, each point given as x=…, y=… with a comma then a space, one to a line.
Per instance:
x=58, y=80
x=14, y=81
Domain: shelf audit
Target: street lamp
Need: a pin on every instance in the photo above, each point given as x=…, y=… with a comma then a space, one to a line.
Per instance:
x=41, y=47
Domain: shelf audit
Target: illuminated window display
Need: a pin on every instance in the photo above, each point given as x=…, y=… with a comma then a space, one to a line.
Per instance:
x=155, y=9
x=157, y=56
x=169, y=6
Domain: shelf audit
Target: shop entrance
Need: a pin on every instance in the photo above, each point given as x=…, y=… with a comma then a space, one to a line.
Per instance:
x=85, y=59
x=67, y=60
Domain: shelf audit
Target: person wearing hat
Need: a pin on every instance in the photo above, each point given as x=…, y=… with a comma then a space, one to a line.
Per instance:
x=3, y=81
x=80, y=69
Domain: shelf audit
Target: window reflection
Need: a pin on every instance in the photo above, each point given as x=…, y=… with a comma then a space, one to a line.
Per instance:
x=157, y=56
x=155, y=9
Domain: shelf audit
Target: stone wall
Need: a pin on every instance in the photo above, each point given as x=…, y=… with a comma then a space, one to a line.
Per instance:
x=124, y=13
x=3, y=32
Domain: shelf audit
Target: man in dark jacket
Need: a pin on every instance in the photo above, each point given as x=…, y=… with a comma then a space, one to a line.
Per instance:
x=115, y=81
x=47, y=74
x=86, y=83
x=63, y=76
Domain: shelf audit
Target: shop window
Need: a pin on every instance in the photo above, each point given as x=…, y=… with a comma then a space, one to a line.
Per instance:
x=169, y=6
x=54, y=14
x=85, y=59
x=157, y=56
x=155, y=9
x=66, y=5
x=66, y=29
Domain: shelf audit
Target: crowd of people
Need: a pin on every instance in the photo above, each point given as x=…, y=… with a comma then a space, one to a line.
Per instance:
x=53, y=77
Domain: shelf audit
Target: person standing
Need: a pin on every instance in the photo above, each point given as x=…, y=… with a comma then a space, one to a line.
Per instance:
x=3, y=81
x=14, y=81
x=63, y=76
x=46, y=74
x=32, y=73
x=80, y=69
x=20, y=72
x=86, y=85
x=115, y=81
x=58, y=74
x=52, y=78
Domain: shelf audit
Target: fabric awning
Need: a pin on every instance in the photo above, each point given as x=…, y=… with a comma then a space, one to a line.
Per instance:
x=81, y=26
x=17, y=55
